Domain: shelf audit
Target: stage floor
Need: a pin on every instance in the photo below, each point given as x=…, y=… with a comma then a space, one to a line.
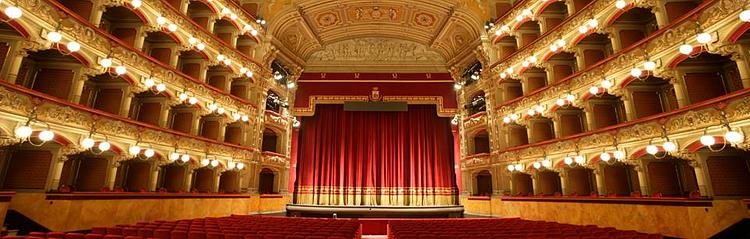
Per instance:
x=374, y=211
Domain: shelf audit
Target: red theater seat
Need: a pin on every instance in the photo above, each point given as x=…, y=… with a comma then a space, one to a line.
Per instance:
x=38, y=234
x=74, y=235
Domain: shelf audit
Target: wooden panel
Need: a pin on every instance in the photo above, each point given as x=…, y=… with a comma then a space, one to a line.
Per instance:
x=592, y=56
x=54, y=82
x=109, y=100
x=27, y=169
x=535, y=83
x=562, y=71
x=663, y=178
x=203, y=180
x=149, y=113
x=579, y=180
x=229, y=182
x=218, y=82
x=126, y=35
x=192, y=69
x=174, y=177
x=646, y=103
x=542, y=131
x=210, y=129
x=513, y=92
x=616, y=180
x=183, y=122
x=528, y=38
x=80, y=7
x=233, y=135
x=552, y=22
x=522, y=184
x=629, y=37
x=162, y=54
x=518, y=136
x=703, y=86
x=605, y=115
x=239, y=91
x=92, y=174
x=549, y=183
x=138, y=176
x=677, y=9
x=730, y=175
x=570, y=124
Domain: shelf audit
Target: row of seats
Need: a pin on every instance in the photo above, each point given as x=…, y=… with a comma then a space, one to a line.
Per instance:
x=501, y=228
x=232, y=227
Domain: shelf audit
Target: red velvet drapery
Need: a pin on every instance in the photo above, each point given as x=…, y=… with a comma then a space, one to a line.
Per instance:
x=375, y=158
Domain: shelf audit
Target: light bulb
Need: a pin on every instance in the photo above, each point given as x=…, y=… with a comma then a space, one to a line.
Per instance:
x=504, y=28
x=518, y=167
x=583, y=29
x=240, y=166
x=560, y=102
x=183, y=96
x=245, y=118
x=605, y=156
x=652, y=149
x=503, y=75
x=249, y=74
x=509, y=70
x=511, y=167
x=205, y=162
x=526, y=12
x=73, y=46
x=594, y=90
x=560, y=42
x=606, y=84
x=13, y=12
x=669, y=146
x=579, y=159
x=498, y=32
x=547, y=163
x=636, y=72
x=54, y=36
x=254, y=32
x=457, y=86
x=532, y=59
x=525, y=63
x=225, y=11
x=531, y=112
x=745, y=16
x=514, y=117
x=539, y=108
x=220, y=57
x=537, y=165
x=520, y=18
x=87, y=143
x=620, y=4
x=734, y=137
x=291, y=85
x=243, y=70
x=149, y=153
x=553, y=48
x=703, y=38
x=184, y=158
x=174, y=156
x=247, y=27
x=161, y=20
x=105, y=62
x=134, y=150
x=212, y=107
x=227, y=61
x=46, y=135
x=220, y=110
x=506, y=119
x=619, y=154
x=172, y=27
x=707, y=140
x=149, y=82
x=104, y=146
x=192, y=40
x=120, y=70
x=231, y=165
x=214, y=163
x=200, y=46
x=136, y=3
x=192, y=100
x=570, y=97
x=593, y=23
x=568, y=160
x=233, y=16
x=649, y=65
x=161, y=87
x=686, y=49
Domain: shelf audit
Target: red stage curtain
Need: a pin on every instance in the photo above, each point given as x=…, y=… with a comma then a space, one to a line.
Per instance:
x=375, y=158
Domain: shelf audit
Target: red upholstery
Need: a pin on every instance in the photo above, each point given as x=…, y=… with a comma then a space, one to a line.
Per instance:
x=74, y=236
x=38, y=234
x=93, y=236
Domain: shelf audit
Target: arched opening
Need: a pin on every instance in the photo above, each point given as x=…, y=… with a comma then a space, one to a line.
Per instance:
x=502, y=7
x=203, y=180
x=677, y=8
x=708, y=76
x=10, y=36
x=522, y=184
x=226, y=31
x=572, y=120
x=549, y=183
x=200, y=13
x=134, y=175
x=270, y=141
x=620, y=179
x=266, y=181
x=240, y=88
x=234, y=133
x=86, y=172
x=50, y=72
x=483, y=185
x=578, y=5
x=607, y=110
x=192, y=63
x=219, y=76
x=580, y=181
x=81, y=7
x=477, y=104
x=541, y=129
x=148, y=107
x=517, y=135
x=481, y=142
x=211, y=127
x=172, y=177
x=563, y=64
x=528, y=31
x=652, y=96
x=670, y=177
x=534, y=79
x=594, y=48
x=552, y=15
x=183, y=118
x=634, y=25
x=728, y=171
x=229, y=182
x=506, y=46
x=27, y=167
x=106, y=92
x=161, y=47
x=123, y=24
x=246, y=44
x=274, y=102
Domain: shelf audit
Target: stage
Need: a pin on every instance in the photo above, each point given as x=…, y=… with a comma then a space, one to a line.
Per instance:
x=299, y=210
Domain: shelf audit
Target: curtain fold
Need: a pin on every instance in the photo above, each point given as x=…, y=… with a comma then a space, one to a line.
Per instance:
x=375, y=158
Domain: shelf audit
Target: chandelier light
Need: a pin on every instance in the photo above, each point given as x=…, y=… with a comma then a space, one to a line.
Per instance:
x=649, y=65
x=745, y=16
x=620, y=4
x=605, y=156
x=73, y=46
x=136, y=3
x=54, y=36
x=13, y=12
x=24, y=132
x=161, y=20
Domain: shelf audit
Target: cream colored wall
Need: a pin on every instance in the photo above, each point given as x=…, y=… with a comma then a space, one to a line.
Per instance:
x=72, y=215
x=676, y=221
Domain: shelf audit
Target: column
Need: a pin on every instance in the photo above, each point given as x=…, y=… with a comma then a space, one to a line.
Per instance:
x=457, y=157
x=164, y=114
x=140, y=38
x=196, y=123
x=283, y=180
x=57, y=167
x=601, y=187
x=743, y=65
x=76, y=88
x=642, y=178
x=222, y=129
x=293, y=160
x=535, y=183
x=571, y=7
x=154, y=178
x=564, y=182
x=629, y=106
x=188, y=179
x=96, y=15
x=661, y=14
x=112, y=175
x=580, y=58
x=590, y=121
x=614, y=38
x=174, y=58
x=700, y=177
x=15, y=66
x=556, y=125
x=127, y=100
x=217, y=182
x=680, y=90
